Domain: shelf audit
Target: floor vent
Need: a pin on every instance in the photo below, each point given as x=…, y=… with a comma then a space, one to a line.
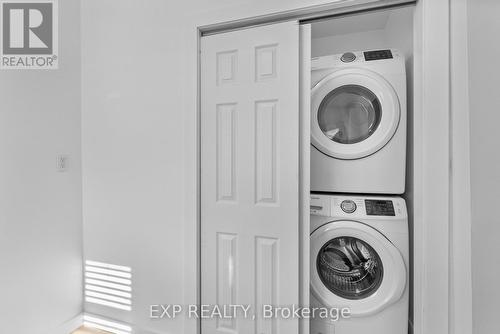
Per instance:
x=106, y=325
x=108, y=285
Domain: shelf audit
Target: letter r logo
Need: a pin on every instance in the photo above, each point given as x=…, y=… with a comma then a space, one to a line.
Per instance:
x=27, y=28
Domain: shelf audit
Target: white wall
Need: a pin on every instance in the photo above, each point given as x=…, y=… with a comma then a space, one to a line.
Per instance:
x=133, y=172
x=484, y=69
x=139, y=142
x=369, y=31
x=40, y=208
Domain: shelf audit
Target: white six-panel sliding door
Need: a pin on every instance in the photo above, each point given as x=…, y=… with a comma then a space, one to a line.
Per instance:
x=250, y=176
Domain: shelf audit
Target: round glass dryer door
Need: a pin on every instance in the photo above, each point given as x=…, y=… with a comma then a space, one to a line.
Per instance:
x=353, y=264
x=355, y=113
x=349, y=114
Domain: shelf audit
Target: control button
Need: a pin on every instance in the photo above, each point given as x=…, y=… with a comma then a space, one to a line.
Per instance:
x=348, y=57
x=348, y=206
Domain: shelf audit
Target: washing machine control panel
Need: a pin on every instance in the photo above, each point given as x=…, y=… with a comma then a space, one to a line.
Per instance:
x=357, y=207
x=377, y=207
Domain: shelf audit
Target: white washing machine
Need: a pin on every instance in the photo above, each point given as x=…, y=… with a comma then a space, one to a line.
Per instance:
x=360, y=261
x=358, y=123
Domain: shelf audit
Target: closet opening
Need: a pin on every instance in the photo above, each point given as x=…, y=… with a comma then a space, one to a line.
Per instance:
x=362, y=134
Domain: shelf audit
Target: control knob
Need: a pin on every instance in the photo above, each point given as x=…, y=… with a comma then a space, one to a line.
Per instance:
x=348, y=57
x=348, y=206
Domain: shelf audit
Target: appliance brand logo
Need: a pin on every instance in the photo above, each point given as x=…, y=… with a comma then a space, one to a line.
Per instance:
x=29, y=36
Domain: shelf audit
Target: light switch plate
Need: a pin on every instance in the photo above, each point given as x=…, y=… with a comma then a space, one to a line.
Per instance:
x=62, y=163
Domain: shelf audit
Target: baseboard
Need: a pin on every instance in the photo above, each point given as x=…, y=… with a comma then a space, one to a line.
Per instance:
x=134, y=329
x=69, y=326
x=145, y=331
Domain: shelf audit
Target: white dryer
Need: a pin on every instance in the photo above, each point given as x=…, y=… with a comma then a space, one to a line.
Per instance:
x=360, y=260
x=358, y=123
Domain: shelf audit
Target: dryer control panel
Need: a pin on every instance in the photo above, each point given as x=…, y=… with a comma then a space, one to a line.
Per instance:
x=377, y=55
x=357, y=58
x=357, y=207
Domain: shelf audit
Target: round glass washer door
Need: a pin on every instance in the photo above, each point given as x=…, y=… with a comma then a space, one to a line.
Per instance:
x=354, y=265
x=350, y=268
x=355, y=112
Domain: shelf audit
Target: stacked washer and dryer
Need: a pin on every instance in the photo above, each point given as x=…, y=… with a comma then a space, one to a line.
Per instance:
x=359, y=226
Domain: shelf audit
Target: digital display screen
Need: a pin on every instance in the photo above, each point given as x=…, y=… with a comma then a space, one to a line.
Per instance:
x=378, y=54
x=379, y=208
